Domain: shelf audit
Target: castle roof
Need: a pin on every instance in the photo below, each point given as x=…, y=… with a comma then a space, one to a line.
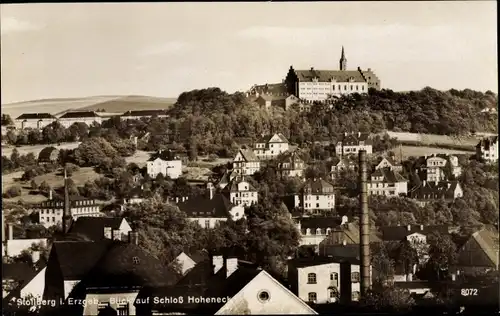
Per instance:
x=35, y=116
x=79, y=114
x=328, y=75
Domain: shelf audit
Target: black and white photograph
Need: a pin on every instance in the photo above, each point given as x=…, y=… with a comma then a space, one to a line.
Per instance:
x=250, y=158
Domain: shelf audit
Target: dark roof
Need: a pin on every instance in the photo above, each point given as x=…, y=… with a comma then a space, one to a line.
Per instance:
x=353, y=139
x=327, y=75
x=76, y=258
x=79, y=114
x=93, y=227
x=291, y=157
x=232, y=186
x=318, y=260
x=400, y=232
x=199, y=255
x=487, y=142
x=166, y=155
x=341, y=251
x=389, y=176
x=389, y=159
x=18, y=271
x=200, y=206
x=248, y=155
x=44, y=155
x=317, y=186
x=128, y=265
x=51, y=204
x=319, y=222
x=145, y=113
x=35, y=116
x=271, y=89
x=433, y=190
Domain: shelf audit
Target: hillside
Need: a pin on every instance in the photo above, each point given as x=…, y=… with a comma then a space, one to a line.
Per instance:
x=108, y=103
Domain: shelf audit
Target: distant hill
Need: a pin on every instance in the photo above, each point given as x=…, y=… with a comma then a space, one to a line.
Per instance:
x=108, y=103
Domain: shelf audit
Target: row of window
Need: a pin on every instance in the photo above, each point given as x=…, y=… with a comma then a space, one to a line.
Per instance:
x=309, y=197
x=383, y=192
x=308, y=205
x=73, y=203
x=312, y=279
x=245, y=194
x=42, y=219
x=312, y=296
x=319, y=231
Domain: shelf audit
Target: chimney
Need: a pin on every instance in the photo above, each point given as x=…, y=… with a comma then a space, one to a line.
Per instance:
x=50, y=194
x=182, y=199
x=133, y=237
x=117, y=235
x=231, y=266
x=449, y=185
x=421, y=227
x=364, y=227
x=35, y=256
x=408, y=227
x=424, y=183
x=217, y=263
x=369, y=69
x=359, y=134
x=66, y=220
x=344, y=242
x=142, y=186
x=108, y=233
x=345, y=133
x=176, y=199
x=312, y=68
x=344, y=220
x=10, y=232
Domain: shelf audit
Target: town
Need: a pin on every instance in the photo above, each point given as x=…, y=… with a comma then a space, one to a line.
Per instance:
x=260, y=206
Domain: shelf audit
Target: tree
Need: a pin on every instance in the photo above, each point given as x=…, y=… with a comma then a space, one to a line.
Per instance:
x=389, y=298
x=383, y=265
x=13, y=191
x=44, y=187
x=442, y=253
x=7, y=120
x=34, y=185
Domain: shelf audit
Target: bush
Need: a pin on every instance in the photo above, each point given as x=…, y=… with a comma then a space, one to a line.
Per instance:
x=12, y=192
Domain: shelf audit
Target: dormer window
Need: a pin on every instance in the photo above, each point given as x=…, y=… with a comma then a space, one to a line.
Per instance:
x=135, y=260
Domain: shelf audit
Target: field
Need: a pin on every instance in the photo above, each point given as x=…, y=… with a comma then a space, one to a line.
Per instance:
x=133, y=103
x=417, y=151
x=431, y=139
x=35, y=149
x=53, y=179
x=52, y=106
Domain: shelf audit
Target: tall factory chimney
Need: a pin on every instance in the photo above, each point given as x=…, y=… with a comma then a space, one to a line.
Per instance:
x=364, y=226
x=66, y=221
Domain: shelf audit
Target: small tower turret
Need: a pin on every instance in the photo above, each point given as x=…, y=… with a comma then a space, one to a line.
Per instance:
x=343, y=61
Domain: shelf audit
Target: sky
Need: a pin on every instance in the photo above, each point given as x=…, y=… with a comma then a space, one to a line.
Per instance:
x=59, y=50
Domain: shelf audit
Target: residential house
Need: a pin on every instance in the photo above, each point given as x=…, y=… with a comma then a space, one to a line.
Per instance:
x=246, y=162
x=321, y=85
x=87, y=117
x=388, y=162
x=166, y=163
x=207, y=211
x=290, y=164
x=34, y=120
x=282, y=101
x=341, y=164
x=224, y=285
x=438, y=167
x=343, y=239
x=388, y=183
x=352, y=143
x=314, y=230
x=241, y=192
x=51, y=211
x=227, y=177
x=321, y=280
x=487, y=149
x=271, y=146
x=139, y=114
x=480, y=252
x=316, y=197
x=185, y=262
x=48, y=155
x=136, y=196
x=101, y=228
x=428, y=192
x=110, y=279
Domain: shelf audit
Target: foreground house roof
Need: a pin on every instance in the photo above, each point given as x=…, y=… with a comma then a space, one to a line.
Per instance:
x=400, y=232
x=35, y=116
x=93, y=227
x=165, y=155
x=203, y=207
x=480, y=250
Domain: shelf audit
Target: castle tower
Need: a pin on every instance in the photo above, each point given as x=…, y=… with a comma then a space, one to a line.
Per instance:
x=66, y=222
x=343, y=61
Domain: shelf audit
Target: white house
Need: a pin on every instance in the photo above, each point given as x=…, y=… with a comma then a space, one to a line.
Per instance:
x=270, y=147
x=316, y=196
x=487, y=149
x=352, y=143
x=34, y=120
x=323, y=280
x=87, y=117
x=51, y=211
x=241, y=192
x=246, y=162
x=165, y=163
x=387, y=182
x=313, y=230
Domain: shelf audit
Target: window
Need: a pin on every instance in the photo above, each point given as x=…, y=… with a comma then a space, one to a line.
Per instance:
x=122, y=310
x=318, y=231
x=333, y=87
x=355, y=296
x=345, y=87
x=207, y=223
x=357, y=88
x=317, y=204
x=355, y=277
x=351, y=87
x=263, y=296
x=328, y=230
x=135, y=260
x=102, y=306
x=363, y=88
x=311, y=278
x=312, y=297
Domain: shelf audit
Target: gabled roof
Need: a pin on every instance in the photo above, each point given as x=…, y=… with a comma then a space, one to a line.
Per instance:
x=481, y=249
x=398, y=233
x=391, y=161
x=291, y=157
x=389, y=176
x=145, y=113
x=45, y=153
x=200, y=206
x=353, y=139
x=233, y=184
x=199, y=255
x=79, y=114
x=340, y=251
x=248, y=155
x=271, y=89
x=165, y=155
x=317, y=186
x=93, y=227
x=327, y=75
x=433, y=190
x=267, y=138
x=319, y=260
x=487, y=142
x=319, y=222
x=35, y=116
